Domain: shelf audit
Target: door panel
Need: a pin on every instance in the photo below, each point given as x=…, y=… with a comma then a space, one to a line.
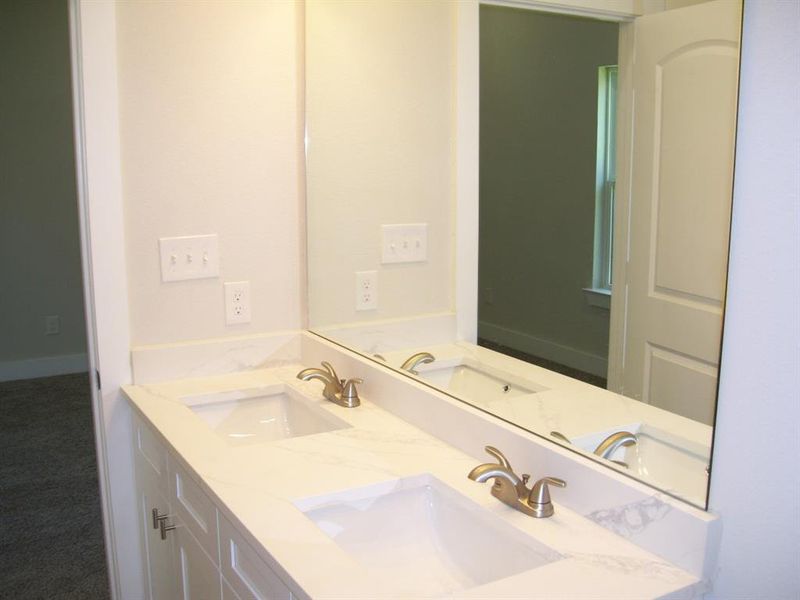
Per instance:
x=685, y=77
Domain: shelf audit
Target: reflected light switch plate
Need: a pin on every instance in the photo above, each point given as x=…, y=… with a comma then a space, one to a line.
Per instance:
x=404, y=243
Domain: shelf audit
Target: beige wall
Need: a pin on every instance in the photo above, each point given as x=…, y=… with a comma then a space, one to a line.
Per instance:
x=210, y=126
x=381, y=120
x=39, y=241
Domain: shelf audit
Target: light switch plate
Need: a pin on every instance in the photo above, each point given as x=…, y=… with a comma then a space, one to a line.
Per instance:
x=189, y=257
x=406, y=243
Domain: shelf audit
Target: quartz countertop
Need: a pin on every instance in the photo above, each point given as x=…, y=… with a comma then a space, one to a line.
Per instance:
x=257, y=485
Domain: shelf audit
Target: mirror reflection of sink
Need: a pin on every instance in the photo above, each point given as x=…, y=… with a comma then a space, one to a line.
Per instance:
x=661, y=458
x=422, y=532
x=264, y=414
x=475, y=382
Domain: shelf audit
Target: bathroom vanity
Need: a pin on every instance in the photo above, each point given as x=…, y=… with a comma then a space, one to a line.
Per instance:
x=252, y=485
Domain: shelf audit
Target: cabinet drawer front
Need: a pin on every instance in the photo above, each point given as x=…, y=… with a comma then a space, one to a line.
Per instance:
x=243, y=569
x=150, y=452
x=194, y=510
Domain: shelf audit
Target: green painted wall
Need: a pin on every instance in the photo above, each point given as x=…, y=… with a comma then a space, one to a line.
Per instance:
x=40, y=264
x=538, y=131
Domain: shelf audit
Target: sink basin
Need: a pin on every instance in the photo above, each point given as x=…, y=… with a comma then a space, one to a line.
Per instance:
x=266, y=414
x=419, y=531
x=477, y=383
x=661, y=458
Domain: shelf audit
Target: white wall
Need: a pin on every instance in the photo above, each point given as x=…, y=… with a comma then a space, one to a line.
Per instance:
x=211, y=132
x=40, y=262
x=380, y=93
x=755, y=486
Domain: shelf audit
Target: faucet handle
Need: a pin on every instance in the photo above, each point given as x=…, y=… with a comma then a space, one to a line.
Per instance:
x=332, y=372
x=350, y=392
x=498, y=456
x=540, y=493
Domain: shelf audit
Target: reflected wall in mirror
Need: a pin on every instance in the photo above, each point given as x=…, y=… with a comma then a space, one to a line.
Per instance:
x=590, y=252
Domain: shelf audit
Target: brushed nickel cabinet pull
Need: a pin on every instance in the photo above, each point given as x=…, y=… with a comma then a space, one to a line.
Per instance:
x=157, y=518
x=165, y=528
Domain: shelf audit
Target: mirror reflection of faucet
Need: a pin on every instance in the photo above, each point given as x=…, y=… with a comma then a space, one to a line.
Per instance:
x=608, y=446
x=413, y=361
x=616, y=440
x=512, y=489
x=339, y=391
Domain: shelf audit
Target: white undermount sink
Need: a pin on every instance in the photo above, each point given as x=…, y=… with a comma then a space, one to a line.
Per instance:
x=479, y=384
x=667, y=461
x=421, y=532
x=246, y=416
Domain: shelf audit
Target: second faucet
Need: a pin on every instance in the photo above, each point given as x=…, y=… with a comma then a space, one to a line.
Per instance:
x=341, y=392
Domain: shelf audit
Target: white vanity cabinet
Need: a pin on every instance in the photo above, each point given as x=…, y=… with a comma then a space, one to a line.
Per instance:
x=200, y=555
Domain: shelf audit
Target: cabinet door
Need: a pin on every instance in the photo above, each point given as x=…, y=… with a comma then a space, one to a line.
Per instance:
x=227, y=591
x=198, y=576
x=249, y=576
x=193, y=509
x=158, y=553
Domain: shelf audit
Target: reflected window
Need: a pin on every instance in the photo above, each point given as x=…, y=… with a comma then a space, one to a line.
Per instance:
x=606, y=177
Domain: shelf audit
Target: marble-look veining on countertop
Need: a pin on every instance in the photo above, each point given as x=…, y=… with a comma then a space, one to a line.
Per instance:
x=631, y=519
x=203, y=358
x=257, y=486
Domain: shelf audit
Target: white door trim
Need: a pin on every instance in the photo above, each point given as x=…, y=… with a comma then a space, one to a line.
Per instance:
x=99, y=186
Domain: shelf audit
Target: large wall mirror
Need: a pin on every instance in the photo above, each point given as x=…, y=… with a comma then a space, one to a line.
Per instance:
x=529, y=210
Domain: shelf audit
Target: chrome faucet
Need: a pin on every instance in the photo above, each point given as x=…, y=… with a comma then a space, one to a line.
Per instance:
x=341, y=392
x=609, y=445
x=413, y=361
x=512, y=490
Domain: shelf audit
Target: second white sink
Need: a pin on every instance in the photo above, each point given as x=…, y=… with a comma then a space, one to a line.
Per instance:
x=479, y=384
x=247, y=416
x=420, y=531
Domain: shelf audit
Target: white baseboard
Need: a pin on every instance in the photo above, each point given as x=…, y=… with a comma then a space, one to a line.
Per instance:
x=564, y=355
x=47, y=366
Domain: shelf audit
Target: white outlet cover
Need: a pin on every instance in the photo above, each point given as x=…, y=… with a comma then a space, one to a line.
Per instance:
x=189, y=257
x=366, y=290
x=237, y=302
x=407, y=243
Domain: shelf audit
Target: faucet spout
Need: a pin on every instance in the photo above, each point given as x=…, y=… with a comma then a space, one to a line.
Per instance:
x=413, y=361
x=609, y=445
x=314, y=373
x=484, y=472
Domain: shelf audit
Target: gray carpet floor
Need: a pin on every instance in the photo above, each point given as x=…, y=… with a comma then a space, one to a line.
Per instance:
x=51, y=533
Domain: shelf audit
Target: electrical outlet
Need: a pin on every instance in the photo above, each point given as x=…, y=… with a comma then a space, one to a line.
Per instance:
x=237, y=302
x=52, y=325
x=366, y=290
